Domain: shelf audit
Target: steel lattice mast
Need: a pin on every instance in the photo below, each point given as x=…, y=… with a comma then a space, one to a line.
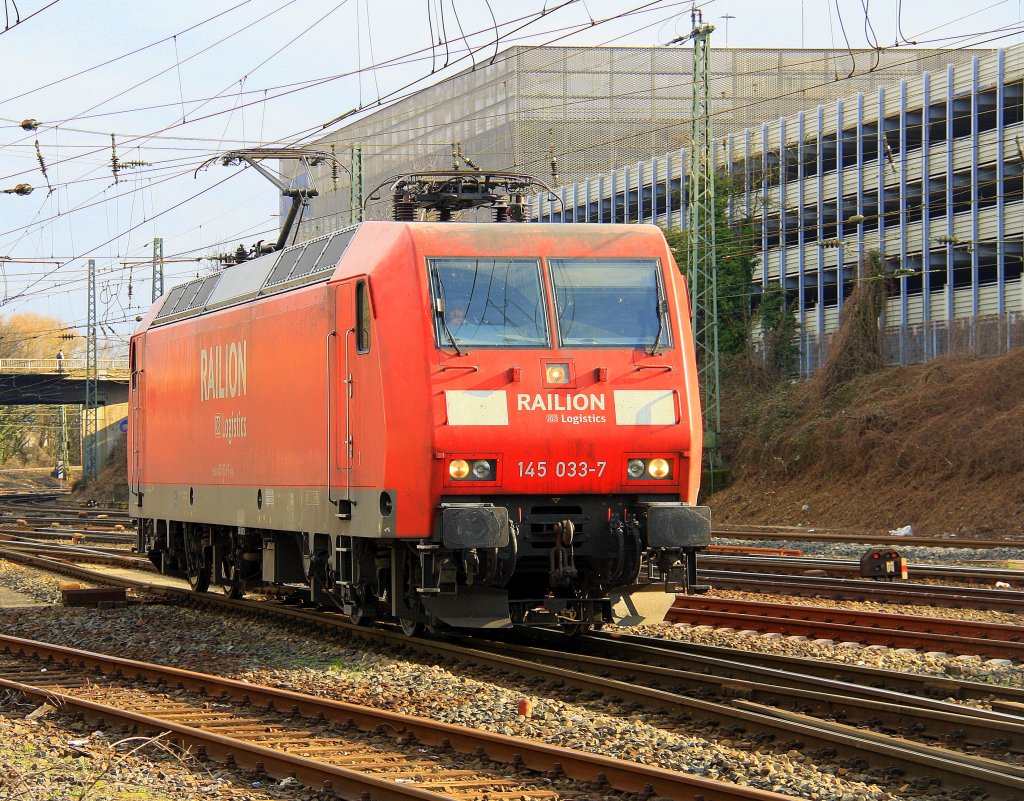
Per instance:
x=700, y=222
x=355, y=194
x=158, y=268
x=91, y=445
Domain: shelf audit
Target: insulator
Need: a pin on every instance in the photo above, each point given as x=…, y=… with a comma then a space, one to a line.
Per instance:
x=444, y=214
x=501, y=214
x=404, y=211
x=29, y=124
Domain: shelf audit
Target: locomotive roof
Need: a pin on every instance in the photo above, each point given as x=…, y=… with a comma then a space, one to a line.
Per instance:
x=299, y=265
x=317, y=260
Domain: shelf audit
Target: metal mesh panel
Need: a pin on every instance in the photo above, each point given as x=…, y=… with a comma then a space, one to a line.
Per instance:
x=310, y=254
x=188, y=295
x=284, y=266
x=205, y=290
x=334, y=251
x=172, y=300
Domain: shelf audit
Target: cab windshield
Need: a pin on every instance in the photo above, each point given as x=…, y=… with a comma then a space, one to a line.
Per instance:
x=610, y=303
x=488, y=303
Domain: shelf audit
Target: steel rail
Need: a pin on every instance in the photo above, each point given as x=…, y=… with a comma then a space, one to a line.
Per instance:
x=578, y=765
x=954, y=769
x=848, y=625
x=861, y=590
x=74, y=571
x=790, y=565
x=658, y=651
x=794, y=534
x=844, y=701
x=750, y=665
x=67, y=534
x=77, y=552
x=102, y=522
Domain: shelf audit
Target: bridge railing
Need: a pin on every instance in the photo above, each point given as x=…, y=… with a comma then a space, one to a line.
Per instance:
x=54, y=365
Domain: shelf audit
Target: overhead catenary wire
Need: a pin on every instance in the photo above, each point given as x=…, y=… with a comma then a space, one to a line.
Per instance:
x=18, y=20
x=131, y=139
x=721, y=112
x=529, y=19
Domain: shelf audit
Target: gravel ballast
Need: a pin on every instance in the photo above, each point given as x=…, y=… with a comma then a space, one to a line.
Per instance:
x=272, y=654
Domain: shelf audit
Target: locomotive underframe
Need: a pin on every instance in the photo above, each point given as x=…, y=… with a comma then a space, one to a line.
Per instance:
x=568, y=560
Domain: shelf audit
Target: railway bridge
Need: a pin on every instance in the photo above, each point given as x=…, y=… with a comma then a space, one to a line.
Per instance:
x=27, y=382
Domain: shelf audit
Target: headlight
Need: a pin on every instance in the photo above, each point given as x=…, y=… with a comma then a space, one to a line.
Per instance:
x=557, y=373
x=473, y=469
x=659, y=468
x=656, y=469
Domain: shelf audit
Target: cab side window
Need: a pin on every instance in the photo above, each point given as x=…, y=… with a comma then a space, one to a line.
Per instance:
x=362, y=318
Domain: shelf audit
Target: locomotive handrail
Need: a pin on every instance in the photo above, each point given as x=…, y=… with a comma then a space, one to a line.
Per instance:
x=668, y=367
x=348, y=417
x=471, y=367
x=330, y=410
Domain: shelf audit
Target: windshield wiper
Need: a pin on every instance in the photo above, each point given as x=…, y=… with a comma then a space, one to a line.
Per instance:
x=439, y=311
x=662, y=310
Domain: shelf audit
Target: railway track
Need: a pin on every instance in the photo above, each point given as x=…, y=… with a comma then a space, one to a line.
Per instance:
x=123, y=538
x=897, y=631
x=775, y=704
x=837, y=568
x=849, y=712
x=116, y=557
x=914, y=631
x=801, y=534
x=894, y=592
x=355, y=751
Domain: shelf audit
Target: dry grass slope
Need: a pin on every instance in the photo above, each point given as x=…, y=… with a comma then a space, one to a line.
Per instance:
x=111, y=485
x=939, y=446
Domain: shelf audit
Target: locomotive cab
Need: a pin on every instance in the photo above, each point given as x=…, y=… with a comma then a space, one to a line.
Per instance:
x=565, y=435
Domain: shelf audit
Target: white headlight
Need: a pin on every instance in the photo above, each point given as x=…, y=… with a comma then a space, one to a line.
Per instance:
x=557, y=373
x=659, y=468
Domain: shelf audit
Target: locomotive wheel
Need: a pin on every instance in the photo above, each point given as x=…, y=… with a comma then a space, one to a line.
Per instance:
x=319, y=580
x=410, y=598
x=364, y=608
x=232, y=586
x=199, y=578
x=197, y=566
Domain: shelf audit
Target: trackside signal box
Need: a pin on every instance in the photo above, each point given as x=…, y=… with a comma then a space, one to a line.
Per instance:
x=882, y=563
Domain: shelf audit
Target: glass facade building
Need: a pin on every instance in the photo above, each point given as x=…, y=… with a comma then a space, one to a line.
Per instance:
x=594, y=109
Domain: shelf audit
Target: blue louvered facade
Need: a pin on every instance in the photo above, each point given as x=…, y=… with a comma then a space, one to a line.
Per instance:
x=930, y=173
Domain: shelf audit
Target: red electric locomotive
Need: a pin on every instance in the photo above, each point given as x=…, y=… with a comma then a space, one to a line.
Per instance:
x=462, y=424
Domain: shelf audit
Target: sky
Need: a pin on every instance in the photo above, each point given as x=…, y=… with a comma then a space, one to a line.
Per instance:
x=178, y=83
